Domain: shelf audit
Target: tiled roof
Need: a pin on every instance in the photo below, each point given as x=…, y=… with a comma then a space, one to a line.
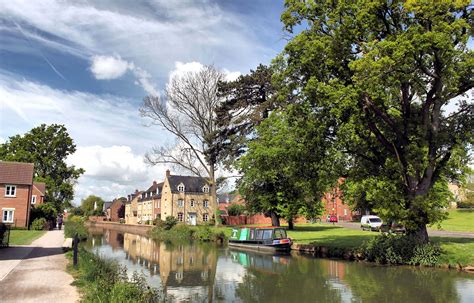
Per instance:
x=16, y=173
x=40, y=186
x=191, y=184
x=152, y=189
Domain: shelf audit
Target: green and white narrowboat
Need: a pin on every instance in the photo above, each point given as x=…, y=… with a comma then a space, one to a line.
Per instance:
x=260, y=238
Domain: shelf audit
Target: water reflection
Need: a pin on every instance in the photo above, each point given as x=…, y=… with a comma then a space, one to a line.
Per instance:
x=203, y=272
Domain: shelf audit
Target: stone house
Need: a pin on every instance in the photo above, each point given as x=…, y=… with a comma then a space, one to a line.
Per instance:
x=149, y=203
x=16, y=188
x=131, y=208
x=187, y=198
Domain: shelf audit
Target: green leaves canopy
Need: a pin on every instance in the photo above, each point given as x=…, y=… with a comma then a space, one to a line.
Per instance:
x=47, y=146
x=288, y=166
x=386, y=72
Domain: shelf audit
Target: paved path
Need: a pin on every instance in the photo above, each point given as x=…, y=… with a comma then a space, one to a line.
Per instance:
x=37, y=272
x=431, y=233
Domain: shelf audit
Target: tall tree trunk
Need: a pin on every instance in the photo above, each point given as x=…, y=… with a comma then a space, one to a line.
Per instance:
x=214, y=194
x=290, y=224
x=421, y=234
x=275, y=218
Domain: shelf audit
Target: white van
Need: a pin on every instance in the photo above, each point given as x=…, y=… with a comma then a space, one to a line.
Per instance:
x=370, y=223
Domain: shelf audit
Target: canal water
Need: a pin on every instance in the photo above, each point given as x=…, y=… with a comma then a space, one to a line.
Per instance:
x=204, y=272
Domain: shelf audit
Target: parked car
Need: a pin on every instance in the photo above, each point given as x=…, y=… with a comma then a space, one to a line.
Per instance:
x=333, y=219
x=393, y=227
x=370, y=222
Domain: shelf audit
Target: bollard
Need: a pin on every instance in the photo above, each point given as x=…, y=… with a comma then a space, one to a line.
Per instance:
x=75, y=243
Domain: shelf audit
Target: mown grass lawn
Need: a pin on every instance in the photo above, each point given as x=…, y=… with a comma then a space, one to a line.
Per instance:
x=456, y=251
x=329, y=235
x=458, y=220
x=24, y=237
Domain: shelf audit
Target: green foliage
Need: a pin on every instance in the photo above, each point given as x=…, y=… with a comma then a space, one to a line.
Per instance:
x=289, y=165
x=401, y=249
x=47, y=146
x=183, y=232
x=87, y=205
x=170, y=222
x=46, y=211
x=235, y=209
x=75, y=225
x=102, y=280
x=247, y=102
x=39, y=224
x=384, y=73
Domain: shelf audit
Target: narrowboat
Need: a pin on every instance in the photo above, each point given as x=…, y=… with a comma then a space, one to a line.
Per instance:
x=260, y=238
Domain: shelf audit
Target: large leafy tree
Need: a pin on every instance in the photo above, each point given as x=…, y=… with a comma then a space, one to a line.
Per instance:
x=288, y=166
x=389, y=72
x=246, y=102
x=47, y=146
x=88, y=204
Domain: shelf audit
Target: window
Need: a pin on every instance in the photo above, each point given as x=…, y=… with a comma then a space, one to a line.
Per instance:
x=7, y=215
x=206, y=203
x=180, y=217
x=33, y=199
x=259, y=234
x=179, y=275
x=192, y=203
x=180, y=203
x=205, y=189
x=180, y=260
x=10, y=190
x=181, y=187
x=345, y=212
x=267, y=234
x=280, y=234
x=205, y=217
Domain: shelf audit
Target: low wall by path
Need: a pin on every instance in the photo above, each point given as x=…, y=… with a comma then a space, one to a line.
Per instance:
x=131, y=228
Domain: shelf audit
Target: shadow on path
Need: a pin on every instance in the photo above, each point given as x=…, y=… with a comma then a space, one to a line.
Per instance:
x=28, y=252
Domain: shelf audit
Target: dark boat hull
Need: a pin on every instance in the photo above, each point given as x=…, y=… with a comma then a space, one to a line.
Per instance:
x=286, y=247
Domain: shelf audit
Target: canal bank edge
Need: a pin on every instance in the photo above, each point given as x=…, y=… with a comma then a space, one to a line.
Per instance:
x=349, y=254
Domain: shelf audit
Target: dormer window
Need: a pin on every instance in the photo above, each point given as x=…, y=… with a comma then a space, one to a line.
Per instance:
x=181, y=188
x=205, y=189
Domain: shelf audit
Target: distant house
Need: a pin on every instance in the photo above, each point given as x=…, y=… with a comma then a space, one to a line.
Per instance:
x=106, y=209
x=149, y=203
x=131, y=208
x=114, y=209
x=16, y=190
x=187, y=198
x=39, y=192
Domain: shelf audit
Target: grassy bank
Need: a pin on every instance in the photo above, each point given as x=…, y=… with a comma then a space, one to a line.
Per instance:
x=24, y=237
x=340, y=241
x=458, y=220
x=100, y=280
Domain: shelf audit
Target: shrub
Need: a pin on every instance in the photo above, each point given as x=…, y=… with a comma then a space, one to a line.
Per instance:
x=170, y=222
x=75, y=225
x=400, y=249
x=235, y=209
x=157, y=222
x=38, y=224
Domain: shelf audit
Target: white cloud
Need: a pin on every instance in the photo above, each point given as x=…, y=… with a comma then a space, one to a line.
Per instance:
x=113, y=67
x=107, y=130
x=108, y=67
x=152, y=34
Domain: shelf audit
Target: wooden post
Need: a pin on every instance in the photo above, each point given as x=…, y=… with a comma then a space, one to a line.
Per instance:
x=75, y=243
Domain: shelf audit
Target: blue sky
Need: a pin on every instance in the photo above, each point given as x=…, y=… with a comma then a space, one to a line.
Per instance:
x=88, y=65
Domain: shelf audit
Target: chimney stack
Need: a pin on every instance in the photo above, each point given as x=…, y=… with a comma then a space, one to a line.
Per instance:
x=168, y=173
x=154, y=182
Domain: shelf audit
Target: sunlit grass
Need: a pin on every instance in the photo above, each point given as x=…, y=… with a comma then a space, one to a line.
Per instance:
x=24, y=237
x=458, y=220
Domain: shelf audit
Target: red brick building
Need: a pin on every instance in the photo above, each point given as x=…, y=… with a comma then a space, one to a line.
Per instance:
x=39, y=191
x=114, y=209
x=16, y=189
